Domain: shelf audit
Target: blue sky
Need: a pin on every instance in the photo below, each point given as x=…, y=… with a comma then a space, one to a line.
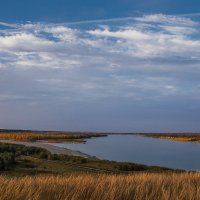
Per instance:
x=75, y=10
x=125, y=66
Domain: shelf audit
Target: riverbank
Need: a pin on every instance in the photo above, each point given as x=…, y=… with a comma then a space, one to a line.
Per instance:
x=18, y=160
x=179, y=137
x=51, y=148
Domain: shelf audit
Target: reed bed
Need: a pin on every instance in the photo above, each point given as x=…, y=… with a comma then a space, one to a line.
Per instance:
x=142, y=186
x=181, y=137
x=33, y=136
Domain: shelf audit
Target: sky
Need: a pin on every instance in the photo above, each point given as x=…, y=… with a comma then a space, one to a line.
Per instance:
x=106, y=66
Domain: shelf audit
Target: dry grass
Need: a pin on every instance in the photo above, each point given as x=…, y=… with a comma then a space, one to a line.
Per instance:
x=181, y=137
x=33, y=136
x=103, y=187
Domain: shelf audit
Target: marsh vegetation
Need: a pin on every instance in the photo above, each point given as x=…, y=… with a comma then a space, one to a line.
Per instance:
x=21, y=135
x=182, y=137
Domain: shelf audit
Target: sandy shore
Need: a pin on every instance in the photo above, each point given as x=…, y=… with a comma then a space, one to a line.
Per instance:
x=51, y=148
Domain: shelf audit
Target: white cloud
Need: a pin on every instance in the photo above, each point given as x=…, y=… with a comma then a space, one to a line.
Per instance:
x=177, y=41
x=24, y=42
x=146, y=57
x=180, y=30
x=168, y=19
x=122, y=34
x=63, y=33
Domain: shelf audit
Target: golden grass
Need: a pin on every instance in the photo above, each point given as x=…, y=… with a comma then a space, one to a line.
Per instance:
x=180, y=137
x=142, y=186
x=33, y=136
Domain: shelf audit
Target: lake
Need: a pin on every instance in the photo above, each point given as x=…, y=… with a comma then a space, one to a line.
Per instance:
x=138, y=149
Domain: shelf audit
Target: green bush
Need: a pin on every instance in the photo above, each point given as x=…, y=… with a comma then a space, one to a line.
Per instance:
x=6, y=160
x=83, y=160
x=53, y=157
x=43, y=155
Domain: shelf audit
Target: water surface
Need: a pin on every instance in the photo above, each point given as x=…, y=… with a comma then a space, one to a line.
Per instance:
x=138, y=149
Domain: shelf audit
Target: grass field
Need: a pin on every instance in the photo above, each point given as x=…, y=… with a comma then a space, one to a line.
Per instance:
x=140, y=186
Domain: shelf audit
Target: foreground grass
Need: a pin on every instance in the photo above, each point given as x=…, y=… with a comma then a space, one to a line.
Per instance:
x=139, y=186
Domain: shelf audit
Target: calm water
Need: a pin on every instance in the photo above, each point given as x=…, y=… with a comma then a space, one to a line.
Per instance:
x=149, y=151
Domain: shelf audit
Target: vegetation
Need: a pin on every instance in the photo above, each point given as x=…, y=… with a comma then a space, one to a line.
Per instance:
x=138, y=186
x=9, y=153
x=34, y=173
x=6, y=160
x=182, y=137
x=36, y=135
x=31, y=160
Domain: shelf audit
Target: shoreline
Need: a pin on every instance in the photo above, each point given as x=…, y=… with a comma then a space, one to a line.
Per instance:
x=175, y=138
x=51, y=148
